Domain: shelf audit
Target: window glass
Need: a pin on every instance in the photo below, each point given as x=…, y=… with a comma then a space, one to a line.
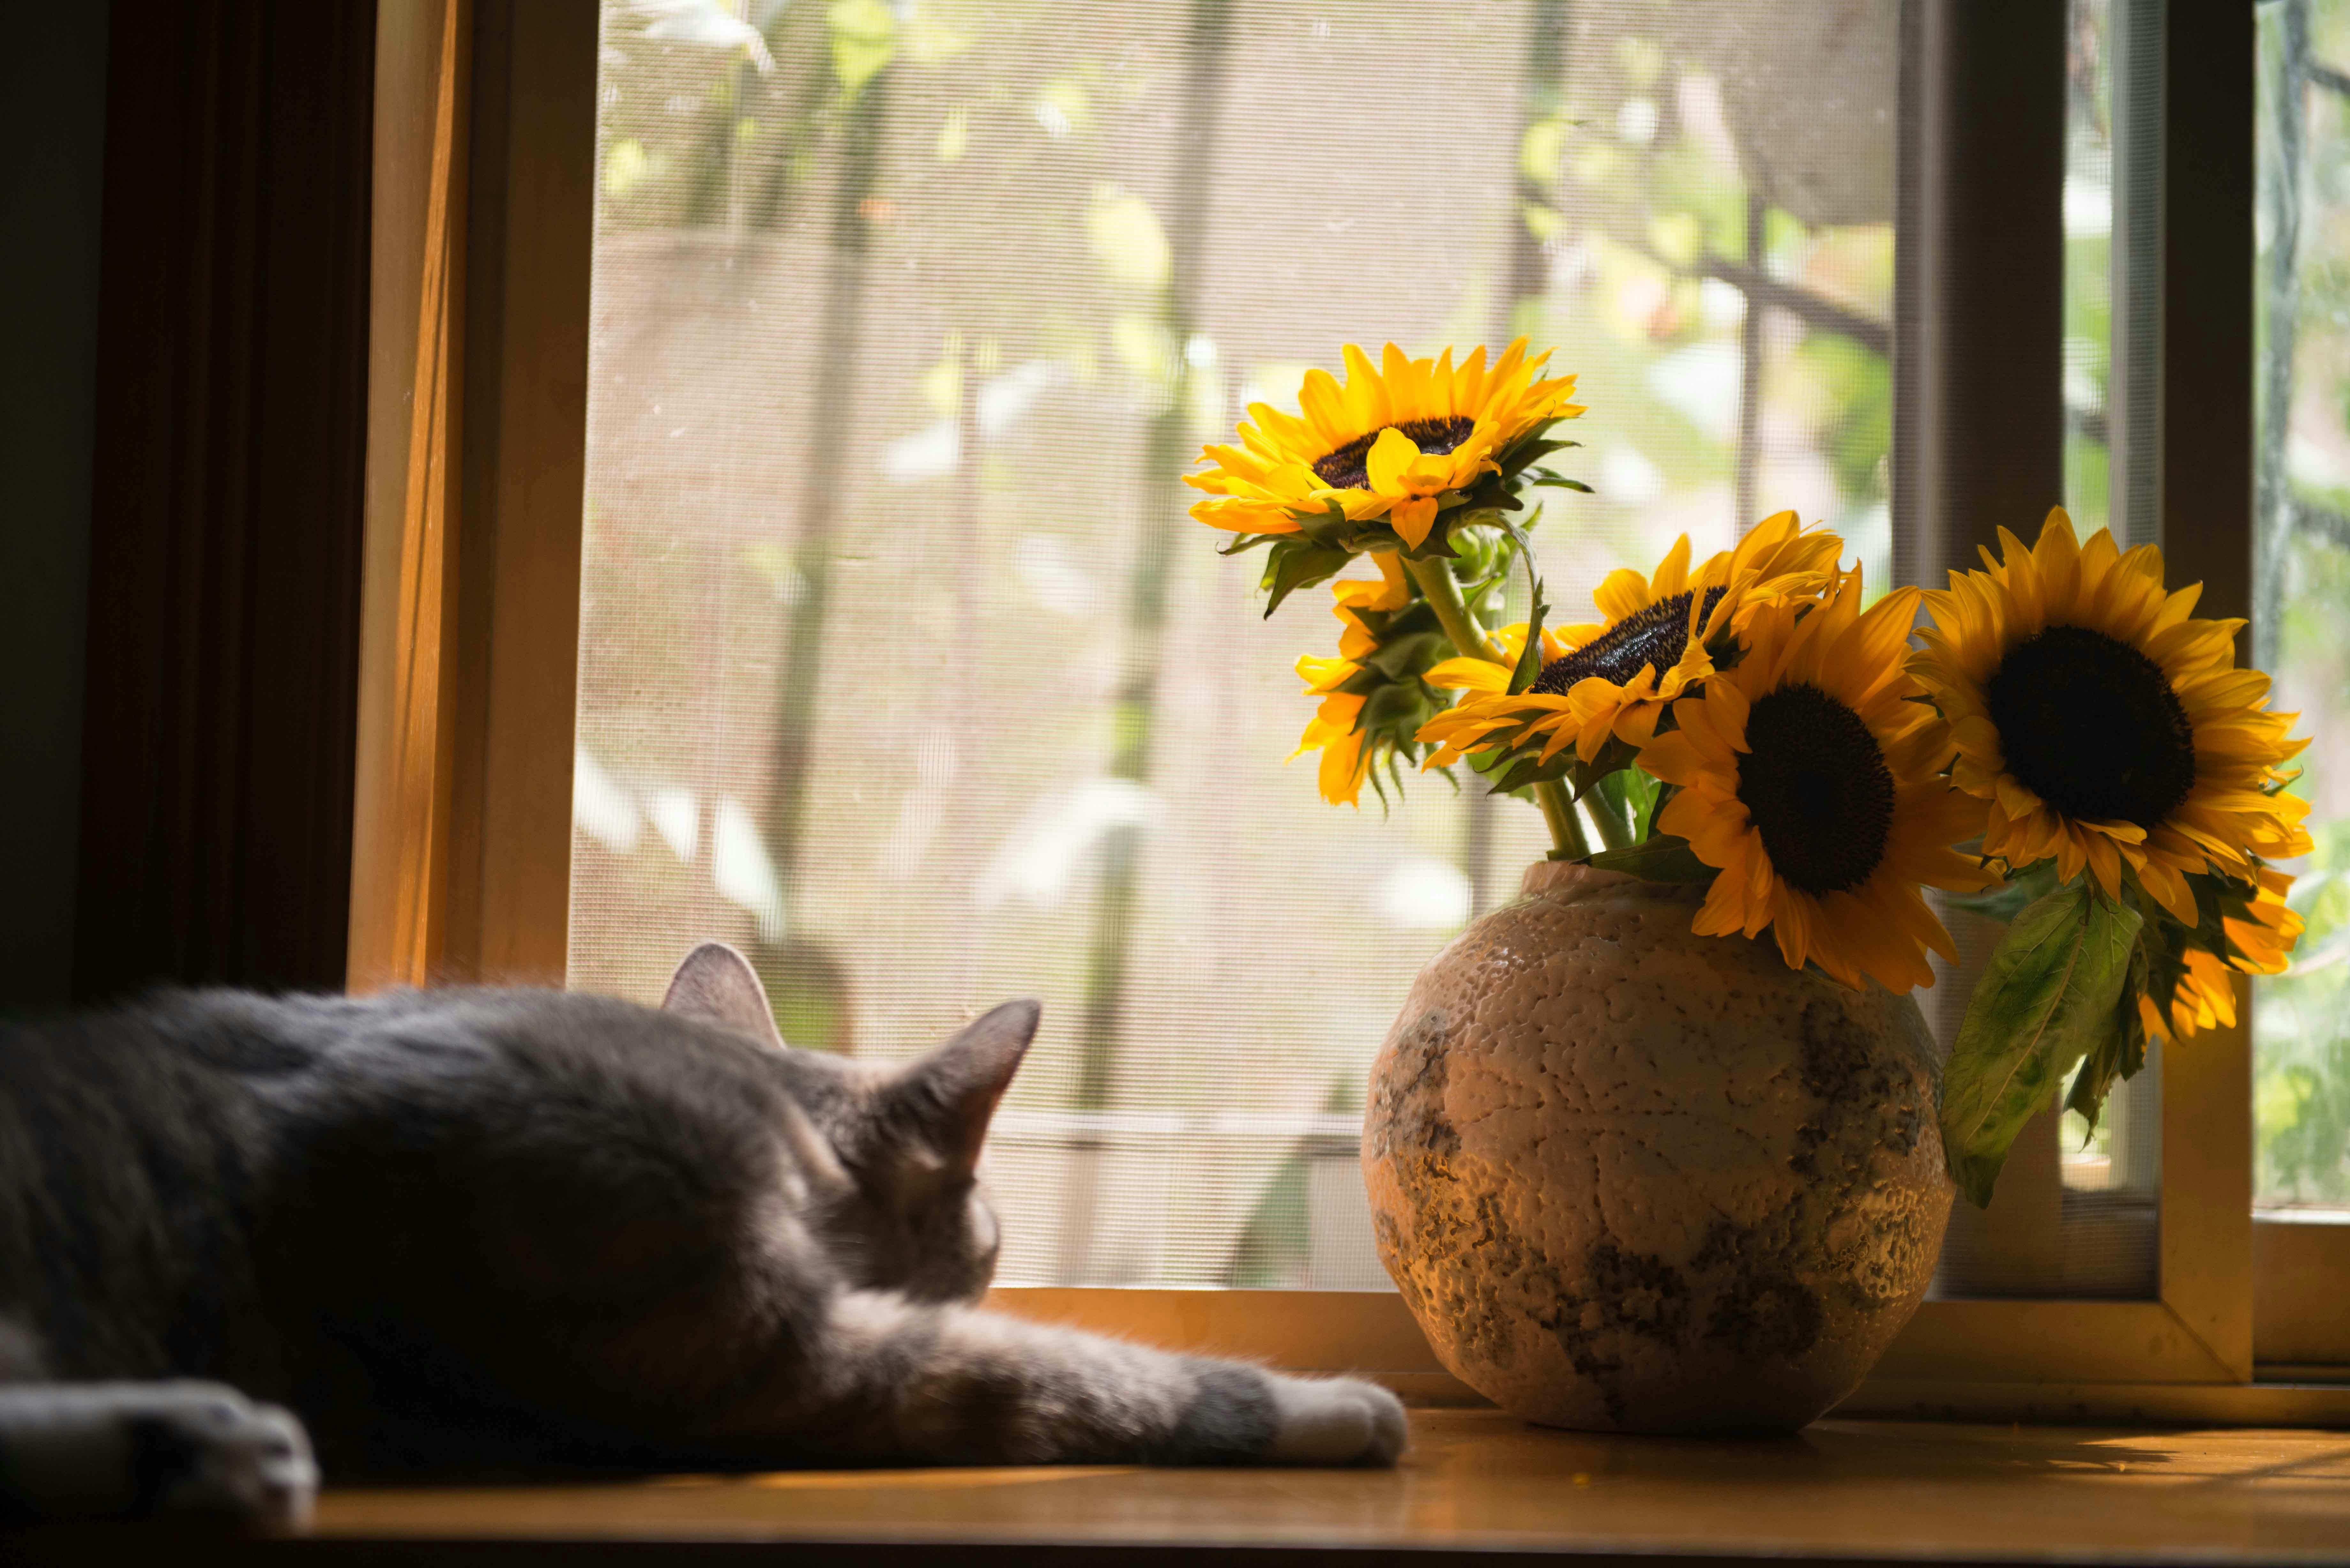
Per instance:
x=2302, y=577
x=902, y=666
x=2112, y=254
x=2089, y=253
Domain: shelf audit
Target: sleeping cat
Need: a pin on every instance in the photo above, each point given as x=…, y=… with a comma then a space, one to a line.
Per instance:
x=505, y=1229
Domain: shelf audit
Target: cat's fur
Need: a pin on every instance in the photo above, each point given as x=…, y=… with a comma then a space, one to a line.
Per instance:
x=504, y=1228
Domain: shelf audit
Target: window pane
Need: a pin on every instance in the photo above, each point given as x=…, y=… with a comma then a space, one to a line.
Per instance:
x=2077, y=1208
x=2302, y=578
x=902, y=666
x=2112, y=254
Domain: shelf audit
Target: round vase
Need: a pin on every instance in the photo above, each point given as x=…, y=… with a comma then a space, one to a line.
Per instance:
x=1632, y=1179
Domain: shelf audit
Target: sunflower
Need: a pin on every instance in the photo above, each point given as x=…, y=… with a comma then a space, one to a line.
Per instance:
x=2263, y=939
x=1392, y=442
x=2104, y=726
x=1346, y=750
x=1472, y=723
x=2260, y=941
x=1660, y=639
x=1356, y=595
x=1811, y=779
x=2204, y=997
x=1336, y=730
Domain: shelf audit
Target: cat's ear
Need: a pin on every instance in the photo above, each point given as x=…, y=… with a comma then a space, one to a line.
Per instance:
x=717, y=985
x=953, y=1092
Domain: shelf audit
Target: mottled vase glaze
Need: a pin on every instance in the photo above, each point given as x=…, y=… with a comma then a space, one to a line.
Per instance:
x=1632, y=1179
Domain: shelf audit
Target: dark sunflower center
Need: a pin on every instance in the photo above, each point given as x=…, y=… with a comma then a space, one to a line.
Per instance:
x=2092, y=726
x=1817, y=789
x=1658, y=634
x=1348, y=468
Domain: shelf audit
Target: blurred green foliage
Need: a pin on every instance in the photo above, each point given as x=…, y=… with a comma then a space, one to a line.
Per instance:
x=2301, y=1018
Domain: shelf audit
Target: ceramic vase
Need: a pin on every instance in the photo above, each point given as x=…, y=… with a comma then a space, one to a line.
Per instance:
x=1632, y=1179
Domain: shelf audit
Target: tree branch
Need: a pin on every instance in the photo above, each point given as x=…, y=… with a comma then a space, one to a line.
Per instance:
x=2331, y=524
x=1813, y=309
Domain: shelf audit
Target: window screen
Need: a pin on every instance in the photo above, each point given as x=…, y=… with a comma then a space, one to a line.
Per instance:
x=2301, y=579
x=902, y=667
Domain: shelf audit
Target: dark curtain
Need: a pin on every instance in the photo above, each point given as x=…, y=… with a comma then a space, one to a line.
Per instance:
x=219, y=710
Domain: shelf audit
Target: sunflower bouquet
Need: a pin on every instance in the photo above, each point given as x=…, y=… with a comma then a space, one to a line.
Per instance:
x=2070, y=749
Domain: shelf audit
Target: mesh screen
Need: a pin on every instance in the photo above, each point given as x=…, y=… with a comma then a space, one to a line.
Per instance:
x=2301, y=1022
x=902, y=667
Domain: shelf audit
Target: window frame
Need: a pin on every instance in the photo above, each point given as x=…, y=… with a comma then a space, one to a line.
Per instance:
x=485, y=223
x=483, y=228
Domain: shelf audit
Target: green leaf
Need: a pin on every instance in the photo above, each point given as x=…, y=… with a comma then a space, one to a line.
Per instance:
x=2163, y=944
x=1490, y=492
x=2120, y=1049
x=1527, y=452
x=1631, y=795
x=1615, y=755
x=1532, y=770
x=864, y=40
x=1242, y=543
x=1663, y=859
x=1528, y=669
x=1517, y=454
x=2218, y=899
x=1400, y=657
x=1393, y=707
x=1530, y=660
x=1416, y=615
x=2007, y=901
x=2048, y=993
x=1295, y=563
x=1327, y=528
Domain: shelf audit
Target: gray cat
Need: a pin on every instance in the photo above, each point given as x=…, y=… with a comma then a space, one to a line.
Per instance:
x=499, y=1230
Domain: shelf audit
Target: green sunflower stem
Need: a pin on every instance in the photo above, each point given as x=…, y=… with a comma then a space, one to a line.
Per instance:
x=1434, y=576
x=1614, y=831
x=1565, y=827
x=1435, y=579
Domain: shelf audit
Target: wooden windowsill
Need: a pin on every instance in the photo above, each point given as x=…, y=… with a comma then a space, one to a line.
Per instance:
x=1477, y=1483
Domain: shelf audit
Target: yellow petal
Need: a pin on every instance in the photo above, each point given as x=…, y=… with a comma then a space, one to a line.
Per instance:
x=1324, y=406
x=1390, y=456
x=1672, y=572
x=2169, y=890
x=1468, y=674
x=2057, y=558
x=1672, y=758
x=1624, y=592
x=1414, y=517
x=1365, y=396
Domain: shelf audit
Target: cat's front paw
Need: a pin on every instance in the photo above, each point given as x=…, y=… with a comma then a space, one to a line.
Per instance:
x=116, y=1450
x=1334, y=1421
x=227, y=1455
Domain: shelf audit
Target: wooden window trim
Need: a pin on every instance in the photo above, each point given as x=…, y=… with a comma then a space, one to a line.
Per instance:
x=2299, y=1331
x=483, y=212
x=484, y=208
